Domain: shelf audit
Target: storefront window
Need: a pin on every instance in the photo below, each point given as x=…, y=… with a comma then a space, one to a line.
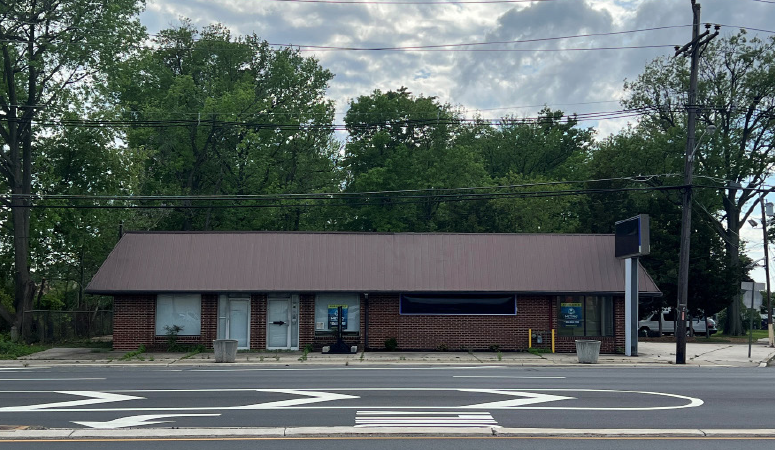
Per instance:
x=326, y=308
x=183, y=310
x=580, y=315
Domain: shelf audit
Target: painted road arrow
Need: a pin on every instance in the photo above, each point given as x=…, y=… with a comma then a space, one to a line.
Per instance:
x=136, y=421
x=316, y=397
x=526, y=398
x=94, y=398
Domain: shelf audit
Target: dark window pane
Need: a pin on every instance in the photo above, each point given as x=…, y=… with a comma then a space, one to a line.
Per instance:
x=459, y=304
x=571, y=315
x=585, y=316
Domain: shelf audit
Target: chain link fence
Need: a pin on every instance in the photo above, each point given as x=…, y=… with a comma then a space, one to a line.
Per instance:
x=54, y=326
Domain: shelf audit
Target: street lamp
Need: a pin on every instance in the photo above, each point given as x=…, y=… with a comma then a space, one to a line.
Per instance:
x=767, y=211
x=710, y=130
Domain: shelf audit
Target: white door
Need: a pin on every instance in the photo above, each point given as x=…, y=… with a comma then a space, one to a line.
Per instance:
x=278, y=323
x=234, y=320
x=239, y=322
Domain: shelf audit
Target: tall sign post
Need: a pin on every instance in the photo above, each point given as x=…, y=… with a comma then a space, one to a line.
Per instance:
x=632, y=241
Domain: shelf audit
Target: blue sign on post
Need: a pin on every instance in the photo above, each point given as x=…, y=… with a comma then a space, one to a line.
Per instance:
x=572, y=314
x=333, y=319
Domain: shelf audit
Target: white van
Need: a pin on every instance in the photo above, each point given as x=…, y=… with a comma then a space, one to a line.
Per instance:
x=649, y=326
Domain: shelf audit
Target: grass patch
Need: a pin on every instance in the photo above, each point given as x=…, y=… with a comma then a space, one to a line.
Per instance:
x=13, y=350
x=140, y=350
x=721, y=337
x=307, y=350
x=539, y=351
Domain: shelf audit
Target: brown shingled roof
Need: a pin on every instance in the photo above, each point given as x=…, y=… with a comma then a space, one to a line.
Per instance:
x=363, y=262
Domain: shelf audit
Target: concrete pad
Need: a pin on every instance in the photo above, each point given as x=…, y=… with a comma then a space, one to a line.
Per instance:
x=605, y=432
x=59, y=354
x=280, y=432
x=175, y=432
x=36, y=434
x=750, y=432
x=328, y=431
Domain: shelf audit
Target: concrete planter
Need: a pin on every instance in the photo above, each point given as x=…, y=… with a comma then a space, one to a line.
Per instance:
x=225, y=350
x=588, y=351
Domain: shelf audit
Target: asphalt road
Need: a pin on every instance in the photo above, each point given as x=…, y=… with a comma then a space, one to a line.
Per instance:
x=430, y=443
x=392, y=397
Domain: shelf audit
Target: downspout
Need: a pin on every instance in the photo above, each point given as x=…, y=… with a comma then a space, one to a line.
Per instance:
x=366, y=320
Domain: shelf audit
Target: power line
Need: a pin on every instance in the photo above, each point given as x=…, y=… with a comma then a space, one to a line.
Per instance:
x=493, y=50
x=377, y=201
x=748, y=28
x=519, y=41
x=327, y=195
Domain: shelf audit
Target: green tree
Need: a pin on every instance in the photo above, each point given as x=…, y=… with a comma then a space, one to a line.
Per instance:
x=401, y=142
x=533, y=147
x=534, y=155
x=737, y=95
x=71, y=237
x=638, y=159
x=50, y=52
x=229, y=116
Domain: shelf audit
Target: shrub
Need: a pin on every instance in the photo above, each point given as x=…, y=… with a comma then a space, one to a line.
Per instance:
x=13, y=350
x=391, y=344
x=172, y=338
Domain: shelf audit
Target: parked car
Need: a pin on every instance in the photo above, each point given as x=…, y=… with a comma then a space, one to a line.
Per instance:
x=649, y=326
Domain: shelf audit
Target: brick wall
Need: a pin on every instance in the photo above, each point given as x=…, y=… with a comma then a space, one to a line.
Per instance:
x=418, y=332
x=431, y=332
x=134, y=323
x=258, y=321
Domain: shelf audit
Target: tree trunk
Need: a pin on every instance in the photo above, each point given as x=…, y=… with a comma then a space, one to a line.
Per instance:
x=23, y=285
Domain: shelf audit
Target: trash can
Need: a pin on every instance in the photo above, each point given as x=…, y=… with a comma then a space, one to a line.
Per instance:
x=587, y=351
x=225, y=350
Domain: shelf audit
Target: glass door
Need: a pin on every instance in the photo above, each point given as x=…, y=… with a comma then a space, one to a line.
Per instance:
x=239, y=322
x=234, y=320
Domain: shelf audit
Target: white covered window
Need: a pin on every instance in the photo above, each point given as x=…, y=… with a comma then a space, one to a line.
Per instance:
x=326, y=308
x=183, y=310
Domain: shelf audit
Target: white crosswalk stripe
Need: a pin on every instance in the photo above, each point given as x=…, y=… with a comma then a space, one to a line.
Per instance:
x=424, y=419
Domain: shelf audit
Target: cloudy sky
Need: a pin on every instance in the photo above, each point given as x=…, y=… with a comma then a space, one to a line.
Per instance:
x=493, y=80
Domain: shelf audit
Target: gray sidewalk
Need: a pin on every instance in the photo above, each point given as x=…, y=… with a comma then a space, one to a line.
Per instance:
x=650, y=354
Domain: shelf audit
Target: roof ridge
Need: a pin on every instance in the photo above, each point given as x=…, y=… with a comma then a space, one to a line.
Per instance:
x=367, y=233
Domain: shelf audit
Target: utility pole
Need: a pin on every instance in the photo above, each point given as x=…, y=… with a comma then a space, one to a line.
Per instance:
x=692, y=49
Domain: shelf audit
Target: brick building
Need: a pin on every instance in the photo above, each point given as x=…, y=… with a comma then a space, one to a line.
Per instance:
x=273, y=290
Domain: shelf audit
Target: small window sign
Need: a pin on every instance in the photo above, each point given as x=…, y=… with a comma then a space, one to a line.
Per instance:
x=333, y=316
x=572, y=314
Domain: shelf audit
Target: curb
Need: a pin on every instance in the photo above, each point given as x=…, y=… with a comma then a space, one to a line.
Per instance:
x=277, y=365
x=353, y=432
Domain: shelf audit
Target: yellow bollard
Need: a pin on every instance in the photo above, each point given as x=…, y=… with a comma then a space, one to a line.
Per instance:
x=529, y=338
x=552, y=340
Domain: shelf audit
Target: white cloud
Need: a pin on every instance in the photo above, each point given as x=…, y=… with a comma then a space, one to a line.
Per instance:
x=474, y=80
